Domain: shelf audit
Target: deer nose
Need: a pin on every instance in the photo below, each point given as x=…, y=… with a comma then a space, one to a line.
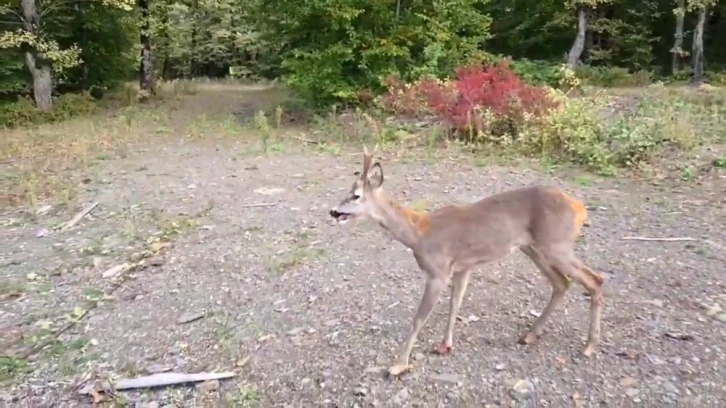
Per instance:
x=333, y=213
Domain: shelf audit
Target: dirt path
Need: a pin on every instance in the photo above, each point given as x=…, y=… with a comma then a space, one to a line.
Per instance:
x=309, y=313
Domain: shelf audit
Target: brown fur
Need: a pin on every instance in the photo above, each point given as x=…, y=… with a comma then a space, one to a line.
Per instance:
x=448, y=242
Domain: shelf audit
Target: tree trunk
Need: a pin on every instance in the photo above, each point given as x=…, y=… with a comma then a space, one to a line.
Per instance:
x=698, y=60
x=579, y=45
x=146, y=65
x=38, y=66
x=677, y=49
x=42, y=82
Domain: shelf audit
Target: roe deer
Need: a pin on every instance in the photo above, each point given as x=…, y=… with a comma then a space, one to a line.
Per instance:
x=543, y=222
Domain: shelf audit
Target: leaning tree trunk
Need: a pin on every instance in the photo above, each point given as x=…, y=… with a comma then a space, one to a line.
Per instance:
x=38, y=66
x=579, y=45
x=697, y=50
x=146, y=65
x=677, y=49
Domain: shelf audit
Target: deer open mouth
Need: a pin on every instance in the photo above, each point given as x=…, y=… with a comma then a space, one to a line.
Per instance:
x=339, y=216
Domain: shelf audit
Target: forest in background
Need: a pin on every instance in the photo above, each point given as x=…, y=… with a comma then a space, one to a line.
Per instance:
x=330, y=51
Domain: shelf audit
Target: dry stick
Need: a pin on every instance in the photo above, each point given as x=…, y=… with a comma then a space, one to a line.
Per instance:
x=55, y=336
x=676, y=239
x=79, y=216
x=259, y=205
x=302, y=139
x=120, y=278
x=159, y=380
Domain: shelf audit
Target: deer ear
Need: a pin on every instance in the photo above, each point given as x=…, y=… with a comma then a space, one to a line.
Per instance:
x=375, y=175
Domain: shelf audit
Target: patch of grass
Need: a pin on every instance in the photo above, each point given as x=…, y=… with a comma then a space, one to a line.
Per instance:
x=49, y=161
x=246, y=396
x=583, y=181
x=303, y=250
x=688, y=174
x=11, y=367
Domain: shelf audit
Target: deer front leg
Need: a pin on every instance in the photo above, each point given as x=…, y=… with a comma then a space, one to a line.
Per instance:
x=458, y=283
x=434, y=287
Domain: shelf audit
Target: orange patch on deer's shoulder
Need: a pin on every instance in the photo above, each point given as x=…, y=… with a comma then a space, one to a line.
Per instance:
x=579, y=209
x=420, y=220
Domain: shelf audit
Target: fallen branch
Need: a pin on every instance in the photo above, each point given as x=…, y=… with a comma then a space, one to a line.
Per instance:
x=79, y=216
x=256, y=205
x=675, y=239
x=48, y=341
x=156, y=380
x=302, y=139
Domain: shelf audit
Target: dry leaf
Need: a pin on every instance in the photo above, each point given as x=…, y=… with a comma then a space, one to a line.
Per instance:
x=577, y=399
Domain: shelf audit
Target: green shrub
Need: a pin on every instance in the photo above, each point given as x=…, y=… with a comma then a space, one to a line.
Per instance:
x=612, y=77
x=23, y=112
x=586, y=131
x=538, y=72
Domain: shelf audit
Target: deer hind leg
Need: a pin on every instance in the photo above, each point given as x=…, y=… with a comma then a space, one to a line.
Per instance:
x=564, y=261
x=459, y=283
x=560, y=285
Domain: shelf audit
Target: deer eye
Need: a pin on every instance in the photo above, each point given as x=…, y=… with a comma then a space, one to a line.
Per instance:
x=356, y=196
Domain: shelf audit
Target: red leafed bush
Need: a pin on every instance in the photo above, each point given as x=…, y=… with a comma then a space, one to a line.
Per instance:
x=478, y=100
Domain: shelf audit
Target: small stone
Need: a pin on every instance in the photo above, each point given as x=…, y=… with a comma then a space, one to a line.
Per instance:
x=150, y=404
x=670, y=387
x=679, y=336
x=375, y=370
x=158, y=368
x=296, y=331
x=628, y=382
x=332, y=322
x=522, y=390
x=400, y=397
x=208, y=386
x=721, y=317
x=447, y=378
x=360, y=391
x=500, y=367
x=713, y=310
x=156, y=261
x=190, y=317
x=419, y=356
x=110, y=273
x=135, y=257
x=632, y=392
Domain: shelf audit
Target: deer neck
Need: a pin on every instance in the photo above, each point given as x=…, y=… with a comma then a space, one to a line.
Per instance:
x=406, y=226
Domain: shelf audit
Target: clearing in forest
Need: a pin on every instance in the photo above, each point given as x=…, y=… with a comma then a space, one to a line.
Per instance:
x=210, y=249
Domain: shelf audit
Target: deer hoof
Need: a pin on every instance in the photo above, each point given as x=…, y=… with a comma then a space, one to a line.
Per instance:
x=528, y=338
x=589, y=350
x=398, y=369
x=442, y=349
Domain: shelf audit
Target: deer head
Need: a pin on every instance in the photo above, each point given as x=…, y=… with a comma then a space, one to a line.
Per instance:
x=361, y=198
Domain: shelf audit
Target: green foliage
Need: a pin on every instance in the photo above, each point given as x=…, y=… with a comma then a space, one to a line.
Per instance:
x=612, y=77
x=331, y=50
x=588, y=131
x=208, y=38
x=538, y=72
x=23, y=111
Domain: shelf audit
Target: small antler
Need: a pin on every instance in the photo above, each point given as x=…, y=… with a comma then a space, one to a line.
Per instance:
x=367, y=162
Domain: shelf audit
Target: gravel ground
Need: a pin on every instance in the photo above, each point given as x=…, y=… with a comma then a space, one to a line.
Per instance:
x=235, y=265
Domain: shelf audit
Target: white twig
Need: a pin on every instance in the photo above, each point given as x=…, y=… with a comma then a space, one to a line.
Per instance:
x=79, y=216
x=158, y=380
x=675, y=239
x=259, y=205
